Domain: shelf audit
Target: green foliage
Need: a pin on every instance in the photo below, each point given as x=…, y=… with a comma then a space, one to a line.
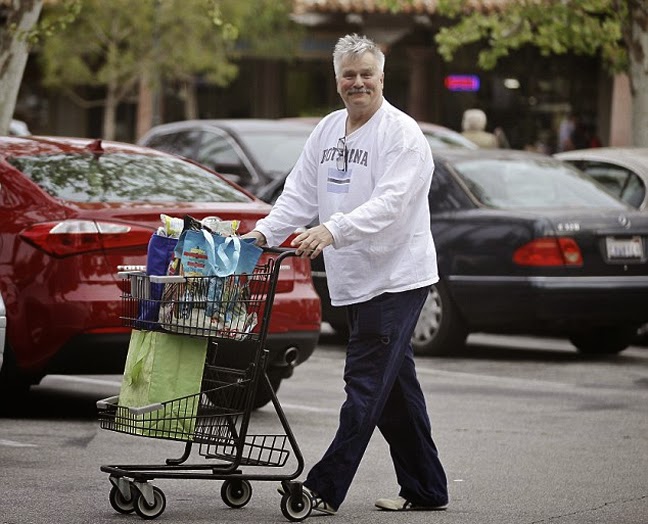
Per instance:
x=66, y=12
x=584, y=27
x=114, y=42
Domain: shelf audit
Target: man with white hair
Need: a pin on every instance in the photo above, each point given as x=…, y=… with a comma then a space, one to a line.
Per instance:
x=473, y=127
x=365, y=174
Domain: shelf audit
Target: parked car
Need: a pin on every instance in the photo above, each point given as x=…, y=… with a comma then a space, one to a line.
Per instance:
x=440, y=137
x=71, y=212
x=3, y=329
x=437, y=136
x=250, y=152
x=622, y=170
x=527, y=244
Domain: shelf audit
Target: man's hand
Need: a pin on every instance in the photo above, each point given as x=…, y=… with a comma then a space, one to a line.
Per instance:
x=311, y=242
x=259, y=238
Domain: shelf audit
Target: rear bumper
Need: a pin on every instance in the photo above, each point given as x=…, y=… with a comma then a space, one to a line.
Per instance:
x=550, y=302
x=106, y=353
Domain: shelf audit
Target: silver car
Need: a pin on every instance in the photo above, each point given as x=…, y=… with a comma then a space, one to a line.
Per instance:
x=622, y=170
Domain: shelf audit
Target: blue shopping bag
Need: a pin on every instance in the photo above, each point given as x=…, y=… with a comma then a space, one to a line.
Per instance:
x=235, y=256
x=202, y=253
x=158, y=256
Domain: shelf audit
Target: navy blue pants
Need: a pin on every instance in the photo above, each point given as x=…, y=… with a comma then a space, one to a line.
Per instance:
x=382, y=390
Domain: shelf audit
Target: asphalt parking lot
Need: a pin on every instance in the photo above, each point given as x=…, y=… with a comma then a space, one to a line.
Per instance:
x=529, y=431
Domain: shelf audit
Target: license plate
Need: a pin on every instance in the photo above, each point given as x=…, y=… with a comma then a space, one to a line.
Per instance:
x=624, y=248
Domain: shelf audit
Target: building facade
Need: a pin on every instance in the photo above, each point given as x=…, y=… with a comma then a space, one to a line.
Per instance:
x=526, y=95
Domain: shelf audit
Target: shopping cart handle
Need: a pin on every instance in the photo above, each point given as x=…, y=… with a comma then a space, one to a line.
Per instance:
x=280, y=250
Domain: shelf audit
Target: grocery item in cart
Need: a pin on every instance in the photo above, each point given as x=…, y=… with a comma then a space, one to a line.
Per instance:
x=214, y=295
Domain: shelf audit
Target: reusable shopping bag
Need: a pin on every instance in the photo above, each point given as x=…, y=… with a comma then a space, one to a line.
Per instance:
x=162, y=367
x=217, y=300
x=159, y=254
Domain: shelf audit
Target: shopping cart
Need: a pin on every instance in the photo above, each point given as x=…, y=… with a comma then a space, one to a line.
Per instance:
x=231, y=311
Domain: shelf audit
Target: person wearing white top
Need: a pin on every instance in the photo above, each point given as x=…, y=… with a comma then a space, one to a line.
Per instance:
x=364, y=175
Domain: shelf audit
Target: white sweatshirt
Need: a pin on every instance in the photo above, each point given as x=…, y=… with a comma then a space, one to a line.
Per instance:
x=377, y=211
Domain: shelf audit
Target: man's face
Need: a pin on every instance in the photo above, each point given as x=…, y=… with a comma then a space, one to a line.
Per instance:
x=360, y=83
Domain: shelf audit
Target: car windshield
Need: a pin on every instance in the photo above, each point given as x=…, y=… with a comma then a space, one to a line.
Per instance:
x=124, y=178
x=532, y=183
x=277, y=150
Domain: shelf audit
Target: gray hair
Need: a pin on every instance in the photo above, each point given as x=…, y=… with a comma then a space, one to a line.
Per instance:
x=473, y=120
x=355, y=45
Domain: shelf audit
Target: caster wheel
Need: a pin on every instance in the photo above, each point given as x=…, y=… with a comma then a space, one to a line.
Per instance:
x=296, y=509
x=119, y=502
x=147, y=511
x=236, y=493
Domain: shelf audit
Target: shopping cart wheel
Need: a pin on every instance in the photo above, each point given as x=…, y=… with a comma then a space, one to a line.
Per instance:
x=119, y=502
x=296, y=508
x=236, y=493
x=151, y=511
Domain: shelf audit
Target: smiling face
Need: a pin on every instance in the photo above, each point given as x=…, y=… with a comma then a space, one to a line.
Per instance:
x=360, y=84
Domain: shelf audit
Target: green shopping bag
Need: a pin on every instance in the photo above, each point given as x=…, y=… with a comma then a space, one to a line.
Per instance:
x=161, y=368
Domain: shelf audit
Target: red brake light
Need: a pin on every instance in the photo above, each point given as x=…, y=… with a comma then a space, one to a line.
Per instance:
x=549, y=251
x=73, y=237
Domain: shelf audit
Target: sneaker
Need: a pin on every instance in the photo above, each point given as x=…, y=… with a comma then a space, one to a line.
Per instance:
x=401, y=504
x=318, y=503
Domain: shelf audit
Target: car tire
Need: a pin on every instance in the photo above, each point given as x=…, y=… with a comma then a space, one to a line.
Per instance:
x=14, y=386
x=603, y=340
x=263, y=396
x=440, y=330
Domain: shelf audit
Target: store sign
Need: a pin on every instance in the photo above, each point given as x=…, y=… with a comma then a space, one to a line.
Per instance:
x=469, y=83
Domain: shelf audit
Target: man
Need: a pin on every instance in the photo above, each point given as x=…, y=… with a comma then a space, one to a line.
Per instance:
x=365, y=173
x=473, y=126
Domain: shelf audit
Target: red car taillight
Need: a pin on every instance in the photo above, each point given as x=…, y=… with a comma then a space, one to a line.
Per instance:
x=550, y=251
x=73, y=237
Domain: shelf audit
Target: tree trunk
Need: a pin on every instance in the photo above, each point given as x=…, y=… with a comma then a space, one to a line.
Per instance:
x=144, y=105
x=14, y=51
x=639, y=77
x=110, y=113
x=190, y=100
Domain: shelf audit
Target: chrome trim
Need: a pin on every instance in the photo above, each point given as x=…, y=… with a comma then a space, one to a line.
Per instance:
x=629, y=282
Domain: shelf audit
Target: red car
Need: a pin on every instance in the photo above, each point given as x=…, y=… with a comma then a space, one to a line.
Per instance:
x=71, y=212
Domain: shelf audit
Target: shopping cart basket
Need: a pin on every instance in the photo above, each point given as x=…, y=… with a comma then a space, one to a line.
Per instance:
x=233, y=311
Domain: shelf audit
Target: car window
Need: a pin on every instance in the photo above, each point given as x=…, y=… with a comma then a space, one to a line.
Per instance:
x=277, y=150
x=618, y=180
x=444, y=194
x=217, y=152
x=612, y=177
x=181, y=143
x=634, y=191
x=125, y=178
x=541, y=183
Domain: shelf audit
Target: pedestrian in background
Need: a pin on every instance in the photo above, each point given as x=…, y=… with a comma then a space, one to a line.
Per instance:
x=473, y=127
x=565, y=131
x=365, y=173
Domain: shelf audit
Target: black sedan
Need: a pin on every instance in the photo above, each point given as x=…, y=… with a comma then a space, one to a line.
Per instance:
x=250, y=152
x=528, y=245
